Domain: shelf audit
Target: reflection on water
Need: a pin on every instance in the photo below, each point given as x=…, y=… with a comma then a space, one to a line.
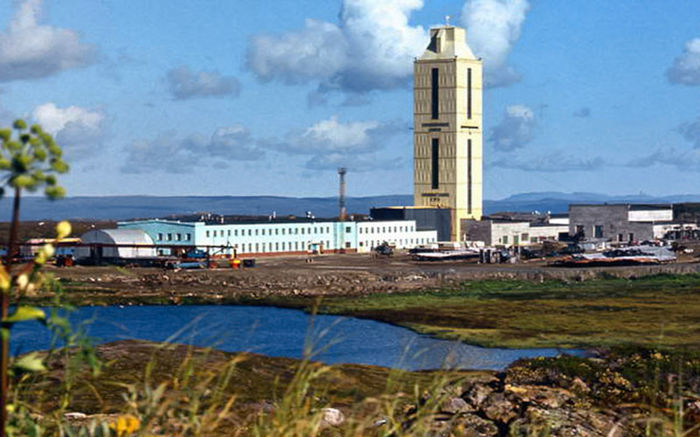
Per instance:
x=279, y=332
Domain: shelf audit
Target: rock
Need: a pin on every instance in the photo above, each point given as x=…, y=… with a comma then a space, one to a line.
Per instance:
x=332, y=417
x=74, y=415
x=477, y=394
x=380, y=422
x=455, y=405
x=471, y=425
x=498, y=408
x=578, y=386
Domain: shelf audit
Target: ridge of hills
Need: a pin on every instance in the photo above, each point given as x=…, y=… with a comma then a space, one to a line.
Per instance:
x=128, y=207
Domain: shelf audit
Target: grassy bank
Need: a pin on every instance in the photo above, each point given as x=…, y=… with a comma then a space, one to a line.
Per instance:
x=658, y=311
x=653, y=311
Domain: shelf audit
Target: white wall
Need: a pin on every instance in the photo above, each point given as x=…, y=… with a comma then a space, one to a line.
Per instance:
x=651, y=215
x=505, y=233
x=400, y=233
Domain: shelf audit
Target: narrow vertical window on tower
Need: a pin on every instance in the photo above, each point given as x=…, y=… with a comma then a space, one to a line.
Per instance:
x=435, y=97
x=469, y=176
x=469, y=93
x=435, y=157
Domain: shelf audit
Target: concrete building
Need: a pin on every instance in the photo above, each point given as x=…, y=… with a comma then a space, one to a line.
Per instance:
x=620, y=222
x=426, y=218
x=280, y=236
x=448, y=127
x=511, y=233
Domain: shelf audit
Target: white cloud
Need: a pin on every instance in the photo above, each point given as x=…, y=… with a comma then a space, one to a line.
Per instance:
x=185, y=84
x=170, y=154
x=78, y=130
x=493, y=27
x=686, y=68
x=53, y=119
x=331, y=135
x=29, y=50
x=372, y=47
x=516, y=129
x=332, y=143
x=555, y=161
x=318, y=51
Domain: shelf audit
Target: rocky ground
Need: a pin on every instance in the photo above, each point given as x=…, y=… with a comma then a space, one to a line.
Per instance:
x=328, y=275
x=619, y=393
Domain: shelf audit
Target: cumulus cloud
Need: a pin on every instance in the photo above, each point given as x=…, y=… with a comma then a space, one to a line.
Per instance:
x=29, y=50
x=686, y=67
x=184, y=83
x=687, y=160
x=331, y=143
x=373, y=45
x=516, y=129
x=691, y=132
x=493, y=27
x=78, y=130
x=556, y=161
x=371, y=48
x=584, y=112
x=319, y=50
x=170, y=154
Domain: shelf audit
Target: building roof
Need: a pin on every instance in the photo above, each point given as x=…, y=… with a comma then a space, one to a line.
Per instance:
x=117, y=236
x=447, y=42
x=630, y=206
x=215, y=219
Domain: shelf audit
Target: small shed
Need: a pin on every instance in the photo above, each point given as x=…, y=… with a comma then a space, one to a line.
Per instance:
x=113, y=244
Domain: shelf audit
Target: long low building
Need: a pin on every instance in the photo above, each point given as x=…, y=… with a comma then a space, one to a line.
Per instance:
x=624, y=223
x=510, y=233
x=280, y=236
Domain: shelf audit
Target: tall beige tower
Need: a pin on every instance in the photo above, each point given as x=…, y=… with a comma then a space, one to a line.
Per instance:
x=447, y=140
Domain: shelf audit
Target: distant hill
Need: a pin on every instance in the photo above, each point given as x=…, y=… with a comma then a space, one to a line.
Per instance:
x=127, y=207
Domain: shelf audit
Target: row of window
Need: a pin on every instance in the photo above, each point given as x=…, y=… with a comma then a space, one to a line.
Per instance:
x=598, y=233
x=284, y=246
x=401, y=242
x=435, y=93
x=170, y=236
x=384, y=229
x=275, y=231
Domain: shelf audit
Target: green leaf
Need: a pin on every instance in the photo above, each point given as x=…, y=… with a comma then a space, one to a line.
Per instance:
x=30, y=363
x=19, y=124
x=59, y=166
x=23, y=314
x=54, y=192
x=5, y=134
x=23, y=181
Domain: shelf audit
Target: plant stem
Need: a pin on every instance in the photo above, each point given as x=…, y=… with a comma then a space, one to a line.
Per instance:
x=4, y=308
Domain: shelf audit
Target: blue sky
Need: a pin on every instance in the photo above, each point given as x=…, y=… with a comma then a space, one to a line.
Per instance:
x=270, y=97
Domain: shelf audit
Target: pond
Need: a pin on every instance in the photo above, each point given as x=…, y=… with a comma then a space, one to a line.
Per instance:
x=278, y=332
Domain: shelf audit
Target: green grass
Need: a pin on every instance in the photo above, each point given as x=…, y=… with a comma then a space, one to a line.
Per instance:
x=654, y=311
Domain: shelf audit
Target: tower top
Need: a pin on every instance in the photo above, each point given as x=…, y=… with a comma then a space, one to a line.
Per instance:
x=447, y=42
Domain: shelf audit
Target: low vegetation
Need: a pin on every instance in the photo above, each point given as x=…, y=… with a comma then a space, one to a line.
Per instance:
x=661, y=310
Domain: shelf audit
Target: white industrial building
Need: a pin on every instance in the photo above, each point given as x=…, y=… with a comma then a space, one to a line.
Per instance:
x=111, y=244
x=281, y=236
x=510, y=233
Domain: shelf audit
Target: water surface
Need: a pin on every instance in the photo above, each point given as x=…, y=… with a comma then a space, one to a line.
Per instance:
x=278, y=332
